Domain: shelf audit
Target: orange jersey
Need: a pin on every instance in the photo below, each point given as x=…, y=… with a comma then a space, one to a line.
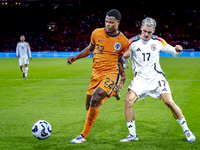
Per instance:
x=107, y=50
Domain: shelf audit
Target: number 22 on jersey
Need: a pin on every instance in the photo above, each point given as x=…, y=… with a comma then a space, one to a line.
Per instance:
x=100, y=48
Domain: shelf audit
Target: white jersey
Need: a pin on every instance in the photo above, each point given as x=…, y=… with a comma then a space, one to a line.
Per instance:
x=23, y=48
x=145, y=55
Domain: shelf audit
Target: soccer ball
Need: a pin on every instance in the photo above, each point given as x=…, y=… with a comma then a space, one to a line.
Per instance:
x=41, y=129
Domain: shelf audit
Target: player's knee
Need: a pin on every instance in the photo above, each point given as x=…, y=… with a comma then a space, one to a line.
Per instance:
x=170, y=103
x=129, y=101
x=95, y=100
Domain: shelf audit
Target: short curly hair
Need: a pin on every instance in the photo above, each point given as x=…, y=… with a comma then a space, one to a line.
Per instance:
x=114, y=13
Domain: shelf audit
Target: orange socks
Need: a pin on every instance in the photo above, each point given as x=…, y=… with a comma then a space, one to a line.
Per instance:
x=93, y=112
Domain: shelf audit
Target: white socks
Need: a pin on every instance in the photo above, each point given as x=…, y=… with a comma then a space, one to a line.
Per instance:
x=132, y=130
x=131, y=127
x=26, y=71
x=183, y=123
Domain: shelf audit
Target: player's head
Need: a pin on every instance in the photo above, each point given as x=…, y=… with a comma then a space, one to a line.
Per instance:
x=148, y=28
x=22, y=38
x=112, y=20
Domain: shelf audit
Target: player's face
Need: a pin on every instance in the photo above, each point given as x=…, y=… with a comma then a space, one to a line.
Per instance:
x=22, y=38
x=111, y=24
x=147, y=32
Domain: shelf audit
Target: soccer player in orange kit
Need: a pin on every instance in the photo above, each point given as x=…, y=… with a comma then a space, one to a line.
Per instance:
x=108, y=45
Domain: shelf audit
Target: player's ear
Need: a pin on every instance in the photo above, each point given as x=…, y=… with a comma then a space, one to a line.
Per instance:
x=141, y=28
x=118, y=22
x=154, y=30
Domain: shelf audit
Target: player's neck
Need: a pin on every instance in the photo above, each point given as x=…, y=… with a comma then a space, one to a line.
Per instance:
x=144, y=38
x=114, y=33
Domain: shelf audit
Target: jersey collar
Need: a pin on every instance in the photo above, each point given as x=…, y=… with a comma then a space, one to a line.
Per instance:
x=112, y=35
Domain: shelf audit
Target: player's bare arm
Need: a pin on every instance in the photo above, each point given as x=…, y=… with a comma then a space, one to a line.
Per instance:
x=86, y=52
x=123, y=77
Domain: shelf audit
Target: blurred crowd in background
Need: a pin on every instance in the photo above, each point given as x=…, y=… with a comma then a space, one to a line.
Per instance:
x=59, y=27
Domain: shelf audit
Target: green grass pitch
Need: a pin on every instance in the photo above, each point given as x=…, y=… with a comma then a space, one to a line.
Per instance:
x=56, y=92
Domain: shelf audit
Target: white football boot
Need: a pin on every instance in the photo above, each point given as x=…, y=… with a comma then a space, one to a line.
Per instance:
x=130, y=137
x=190, y=136
x=78, y=139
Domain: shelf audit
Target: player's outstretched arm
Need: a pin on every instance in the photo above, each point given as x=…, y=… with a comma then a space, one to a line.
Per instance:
x=86, y=52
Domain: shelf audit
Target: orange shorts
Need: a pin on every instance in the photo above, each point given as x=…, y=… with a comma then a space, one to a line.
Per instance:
x=104, y=81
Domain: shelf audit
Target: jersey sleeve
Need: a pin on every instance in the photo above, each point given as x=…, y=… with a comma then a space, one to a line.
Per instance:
x=125, y=47
x=92, y=39
x=168, y=48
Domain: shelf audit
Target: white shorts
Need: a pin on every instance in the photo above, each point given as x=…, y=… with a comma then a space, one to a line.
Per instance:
x=23, y=61
x=149, y=87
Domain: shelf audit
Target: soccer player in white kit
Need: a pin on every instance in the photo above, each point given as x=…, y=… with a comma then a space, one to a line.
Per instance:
x=149, y=79
x=22, y=48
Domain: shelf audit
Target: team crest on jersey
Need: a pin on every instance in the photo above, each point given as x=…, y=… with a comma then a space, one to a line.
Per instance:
x=117, y=46
x=153, y=47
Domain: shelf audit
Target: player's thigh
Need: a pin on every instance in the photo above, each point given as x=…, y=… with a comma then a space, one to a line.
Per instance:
x=94, y=82
x=140, y=87
x=26, y=61
x=97, y=96
x=21, y=61
x=105, y=82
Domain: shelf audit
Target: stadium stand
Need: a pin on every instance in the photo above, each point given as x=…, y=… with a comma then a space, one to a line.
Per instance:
x=67, y=27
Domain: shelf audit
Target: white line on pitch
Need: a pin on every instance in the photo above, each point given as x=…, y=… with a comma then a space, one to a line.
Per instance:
x=182, y=80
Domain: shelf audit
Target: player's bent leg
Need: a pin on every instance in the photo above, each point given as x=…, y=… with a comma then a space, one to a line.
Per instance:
x=115, y=92
x=177, y=113
x=21, y=68
x=101, y=103
x=98, y=95
x=131, y=98
x=26, y=71
x=91, y=117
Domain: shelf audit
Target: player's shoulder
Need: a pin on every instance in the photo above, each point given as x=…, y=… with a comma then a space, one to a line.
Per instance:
x=134, y=39
x=123, y=36
x=157, y=38
x=98, y=30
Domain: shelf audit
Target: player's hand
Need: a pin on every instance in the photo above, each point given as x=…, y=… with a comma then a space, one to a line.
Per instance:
x=31, y=58
x=119, y=87
x=17, y=56
x=71, y=59
x=126, y=54
x=178, y=48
